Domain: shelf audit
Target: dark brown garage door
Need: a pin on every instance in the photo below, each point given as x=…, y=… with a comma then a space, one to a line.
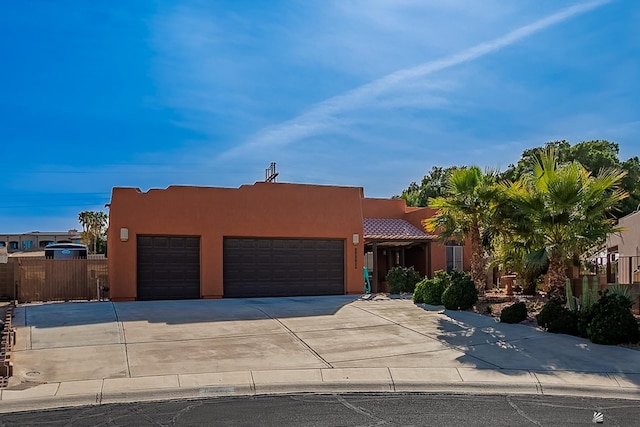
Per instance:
x=283, y=267
x=168, y=267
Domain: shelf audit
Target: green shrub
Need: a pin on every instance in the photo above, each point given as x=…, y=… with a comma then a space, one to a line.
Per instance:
x=584, y=319
x=430, y=290
x=419, y=293
x=514, y=313
x=554, y=317
x=402, y=279
x=582, y=307
x=461, y=294
x=613, y=322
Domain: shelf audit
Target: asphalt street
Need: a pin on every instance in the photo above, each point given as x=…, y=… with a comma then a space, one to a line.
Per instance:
x=345, y=410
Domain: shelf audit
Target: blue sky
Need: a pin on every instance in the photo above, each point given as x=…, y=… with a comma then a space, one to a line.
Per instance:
x=371, y=93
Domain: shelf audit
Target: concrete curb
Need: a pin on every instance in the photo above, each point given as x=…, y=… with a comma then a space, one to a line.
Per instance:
x=316, y=381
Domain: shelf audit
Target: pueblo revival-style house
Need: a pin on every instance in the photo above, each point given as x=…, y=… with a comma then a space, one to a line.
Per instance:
x=265, y=239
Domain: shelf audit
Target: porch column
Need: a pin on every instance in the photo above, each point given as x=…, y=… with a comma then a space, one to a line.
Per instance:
x=402, y=263
x=374, y=284
x=427, y=251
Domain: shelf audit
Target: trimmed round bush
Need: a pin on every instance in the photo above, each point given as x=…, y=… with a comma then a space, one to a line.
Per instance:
x=419, y=293
x=461, y=294
x=554, y=317
x=430, y=291
x=613, y=322
x=402, y=279
x=514, y=313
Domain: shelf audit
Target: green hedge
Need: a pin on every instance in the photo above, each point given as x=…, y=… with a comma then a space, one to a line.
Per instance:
x=461, y=293
x=430, y=291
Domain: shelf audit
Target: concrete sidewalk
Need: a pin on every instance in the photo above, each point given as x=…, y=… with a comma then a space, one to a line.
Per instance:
x=92, y=353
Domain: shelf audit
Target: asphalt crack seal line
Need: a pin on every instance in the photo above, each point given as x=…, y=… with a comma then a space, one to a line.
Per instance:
x=521, y=412
x=293, y=334
x=359, y=410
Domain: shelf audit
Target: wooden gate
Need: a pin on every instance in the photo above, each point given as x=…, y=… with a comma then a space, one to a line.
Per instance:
x=59, y=279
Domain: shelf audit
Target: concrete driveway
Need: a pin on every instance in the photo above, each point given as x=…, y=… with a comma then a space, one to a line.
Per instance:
x=315, y=336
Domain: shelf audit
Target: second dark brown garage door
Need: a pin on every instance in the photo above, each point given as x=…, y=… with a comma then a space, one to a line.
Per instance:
x=283, y=267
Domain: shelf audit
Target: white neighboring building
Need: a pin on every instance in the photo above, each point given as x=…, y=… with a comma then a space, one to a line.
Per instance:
x=37, y=240
x=625, y=248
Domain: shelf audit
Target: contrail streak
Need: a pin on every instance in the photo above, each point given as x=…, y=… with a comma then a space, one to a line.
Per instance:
x=319, y=116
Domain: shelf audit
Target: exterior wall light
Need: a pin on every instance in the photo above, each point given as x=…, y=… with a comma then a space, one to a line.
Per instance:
x=124, y=234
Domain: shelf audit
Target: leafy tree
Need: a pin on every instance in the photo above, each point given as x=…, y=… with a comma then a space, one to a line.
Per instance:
x=560, y=211
x=94, y=225
x=434, y=184
x=464, y=213
x=631, y=183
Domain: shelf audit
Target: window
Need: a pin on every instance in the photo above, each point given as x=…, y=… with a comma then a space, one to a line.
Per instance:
x=27, y=244
x=454, y=258
x=13, y=245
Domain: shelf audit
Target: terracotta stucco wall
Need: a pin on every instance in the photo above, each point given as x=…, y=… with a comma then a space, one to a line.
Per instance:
x=259, y=210
x=383, y=208
x=397, y=208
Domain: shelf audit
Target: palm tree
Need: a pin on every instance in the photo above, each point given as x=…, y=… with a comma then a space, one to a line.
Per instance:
x=559, y=211
x=93, y=225
x=464, y=213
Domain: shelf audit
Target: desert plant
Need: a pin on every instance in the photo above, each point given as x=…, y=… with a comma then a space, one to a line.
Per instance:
x=402, y=279
x=623, y=291
x=514, y=313
x=430, y=290
x=572, y=302
x=461, y=294
x=589, y=295
x=562, y=209
x=613, y=322
x=556, y=318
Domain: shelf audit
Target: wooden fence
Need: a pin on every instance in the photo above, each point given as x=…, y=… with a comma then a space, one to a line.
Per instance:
x=37, y=279
x=601, y=279
x=6, y=281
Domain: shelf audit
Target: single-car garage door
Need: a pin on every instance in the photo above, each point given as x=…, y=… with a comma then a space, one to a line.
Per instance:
x=283, y=267
x=168, y=267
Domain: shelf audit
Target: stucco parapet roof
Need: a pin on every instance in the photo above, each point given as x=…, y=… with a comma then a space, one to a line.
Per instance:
x=392, y=229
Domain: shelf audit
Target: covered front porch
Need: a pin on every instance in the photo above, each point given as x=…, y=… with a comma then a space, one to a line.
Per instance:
x=390, y=243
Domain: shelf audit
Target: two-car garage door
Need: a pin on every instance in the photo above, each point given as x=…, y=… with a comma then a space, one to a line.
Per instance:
x=169, y=267
x=283, y=267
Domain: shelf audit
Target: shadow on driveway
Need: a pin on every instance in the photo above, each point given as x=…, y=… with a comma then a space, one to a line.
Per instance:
x=53, y=315
x=513, y=347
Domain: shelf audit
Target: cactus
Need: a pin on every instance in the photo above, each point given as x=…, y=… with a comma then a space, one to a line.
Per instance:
x=589, y=295
x=571, y=300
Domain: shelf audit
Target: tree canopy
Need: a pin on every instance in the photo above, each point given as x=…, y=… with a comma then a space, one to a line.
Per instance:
x=558, y=210
x=465, y=213
x=434, y=184
x=94, y=226
x=593, y=155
